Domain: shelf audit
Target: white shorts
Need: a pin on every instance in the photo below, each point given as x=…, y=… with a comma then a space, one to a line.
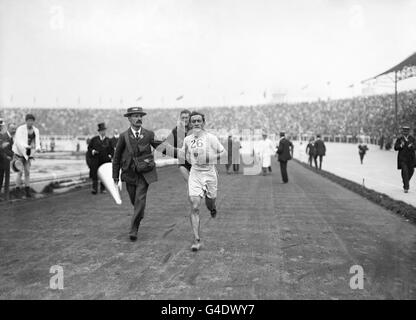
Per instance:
x=203, y=183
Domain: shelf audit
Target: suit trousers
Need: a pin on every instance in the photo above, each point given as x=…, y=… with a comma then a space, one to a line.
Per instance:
x=137, y=193
x=312, y=158
x=283, y=171
x=407, y=173
x=320, y=161
x=5, y=176
x=26, y=171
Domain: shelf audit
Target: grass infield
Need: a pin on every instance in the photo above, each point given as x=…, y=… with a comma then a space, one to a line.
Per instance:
x=398, y=207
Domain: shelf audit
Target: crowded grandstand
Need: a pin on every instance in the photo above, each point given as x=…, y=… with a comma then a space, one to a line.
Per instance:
x=369, y=115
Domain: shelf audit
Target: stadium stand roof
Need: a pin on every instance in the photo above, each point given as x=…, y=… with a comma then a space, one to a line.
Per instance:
x=408, y=62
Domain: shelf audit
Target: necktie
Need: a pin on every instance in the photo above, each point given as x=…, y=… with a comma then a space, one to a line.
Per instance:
x=137, y=135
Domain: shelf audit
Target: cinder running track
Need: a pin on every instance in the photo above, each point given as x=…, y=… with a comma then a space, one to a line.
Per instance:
x=269, y=241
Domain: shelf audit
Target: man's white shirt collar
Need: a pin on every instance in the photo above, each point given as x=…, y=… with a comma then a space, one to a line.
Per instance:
x=134, y=131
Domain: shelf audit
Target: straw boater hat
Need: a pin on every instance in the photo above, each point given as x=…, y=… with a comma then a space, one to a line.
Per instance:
x=134, y=110
x=17, y=165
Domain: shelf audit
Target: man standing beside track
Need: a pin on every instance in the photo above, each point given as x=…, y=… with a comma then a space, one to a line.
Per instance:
x=176, y=139
x=6, y=155
x=285, y=153
x=320, y=151
x=26, y=143
x=100, y=151
x=406, y=161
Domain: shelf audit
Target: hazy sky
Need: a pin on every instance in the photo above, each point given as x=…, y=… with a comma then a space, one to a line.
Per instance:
x=92, y=53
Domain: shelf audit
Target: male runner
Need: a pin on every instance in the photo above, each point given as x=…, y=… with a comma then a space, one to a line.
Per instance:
x=202, y=149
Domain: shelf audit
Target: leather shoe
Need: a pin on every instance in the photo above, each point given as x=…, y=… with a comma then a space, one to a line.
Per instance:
x=133, y=236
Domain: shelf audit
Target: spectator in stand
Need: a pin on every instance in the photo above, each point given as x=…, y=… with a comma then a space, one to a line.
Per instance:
x=335, y=117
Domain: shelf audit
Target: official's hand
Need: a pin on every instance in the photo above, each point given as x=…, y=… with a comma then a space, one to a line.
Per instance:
x=94, y=152
x=9, y=158
x=5, y=144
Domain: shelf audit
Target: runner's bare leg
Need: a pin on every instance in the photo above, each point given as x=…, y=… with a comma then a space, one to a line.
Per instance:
x=195, y=221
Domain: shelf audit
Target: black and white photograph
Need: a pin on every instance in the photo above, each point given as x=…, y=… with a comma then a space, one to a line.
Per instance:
x=218, y=152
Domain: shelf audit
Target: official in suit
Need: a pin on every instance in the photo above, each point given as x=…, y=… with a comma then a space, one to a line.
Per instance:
x=236, y=155
x=229, y=148
x=285, y=153
x=406, y=161
x=320, y=151
x=114, y=139
x=99, y=151
x=311, y=152
x=6, y=155
x=134, y=157
x=176, y=138
x=362, y=150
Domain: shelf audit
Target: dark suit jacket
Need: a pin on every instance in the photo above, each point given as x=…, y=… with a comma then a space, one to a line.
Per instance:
x=285, y=150
x=320, y=148
x=114, y=141
x=406, y=152
x=7, y=151
x=310, y=149
x=124, y=160
x=105, y=153
x=175, y=139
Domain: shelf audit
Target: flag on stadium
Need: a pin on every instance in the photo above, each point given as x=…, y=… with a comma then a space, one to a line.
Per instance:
x=139, y=98
x=179, y=98
x=305, y=87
